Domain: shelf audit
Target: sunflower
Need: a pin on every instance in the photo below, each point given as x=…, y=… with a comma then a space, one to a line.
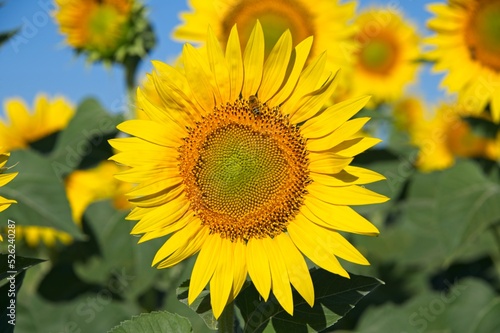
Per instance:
x=94, y=25
x=84, y=187
x=4, y=179
x=447, y=136
x=224, y=167
x=467, y=45
x=408, y=112
x=22, y=127
x=385, y=61
x=327, y=20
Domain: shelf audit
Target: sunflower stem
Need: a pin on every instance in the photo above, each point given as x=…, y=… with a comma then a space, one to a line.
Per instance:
x=226, y=319
x=131, y=64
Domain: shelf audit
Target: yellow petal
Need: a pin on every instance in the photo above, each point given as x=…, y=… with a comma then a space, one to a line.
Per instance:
x=199, y=78
x=348, y=176
x=258, y=267
x=276, y=66
x=178, y=240
x=253, y=61
x=355, y=146
x=154, y=186
x=161, y=232
x=308, y=82
x=222, y=280
x=192, y=247
x=160, y=134
x=279, y=275
x=235, y=63
x=341, y=218
x=7, y=177
x=334, y=242
x=333, y=117
x=336, y=137
x=296, y=266
x=240, y=268
x=162, y=216
x=313, y=247
x=218, y=65
x=328, y=163
x=301, y=54
x=205, y=266
x=347, y=195
x=314, y=102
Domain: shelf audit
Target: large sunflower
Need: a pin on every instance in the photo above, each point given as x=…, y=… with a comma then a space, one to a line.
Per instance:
x=327, y=20
x=385, y=61
x=223, y=165
x=94, y=25
x=467, y=45
x=22, y=127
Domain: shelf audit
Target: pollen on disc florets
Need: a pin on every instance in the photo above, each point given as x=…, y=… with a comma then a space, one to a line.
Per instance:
x=245, y=170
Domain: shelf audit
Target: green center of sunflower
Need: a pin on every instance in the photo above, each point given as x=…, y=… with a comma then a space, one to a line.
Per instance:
x=483, y=34
x=235, y=162
x=105, y=28
x=245, y=173
x=377, y=55
x=275, y=16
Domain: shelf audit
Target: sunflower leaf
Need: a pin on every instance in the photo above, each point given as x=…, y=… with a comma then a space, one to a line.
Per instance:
x=335, y=296
x=467, y=306
x=21, y=264
x=154, y=322
x=201, y=305
x=85, y=140
x=40, y=194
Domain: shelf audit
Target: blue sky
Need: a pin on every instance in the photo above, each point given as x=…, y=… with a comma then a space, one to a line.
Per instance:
x=37, y=60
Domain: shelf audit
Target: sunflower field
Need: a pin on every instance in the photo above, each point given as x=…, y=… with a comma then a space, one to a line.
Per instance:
x=250, y=166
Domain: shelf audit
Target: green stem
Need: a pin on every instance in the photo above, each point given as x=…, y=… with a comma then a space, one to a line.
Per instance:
x=226, y=319
x=131, y=64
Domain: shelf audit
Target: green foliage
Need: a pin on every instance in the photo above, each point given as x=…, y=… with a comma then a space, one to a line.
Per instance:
x=40, y=195
x=154, y=322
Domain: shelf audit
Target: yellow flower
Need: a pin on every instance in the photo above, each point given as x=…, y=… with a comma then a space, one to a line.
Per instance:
x=21, y=128
x=467, y=45
x=408, y=113
x=447, y=136
x=326, y=20
x=94, y=25
x=4, y=179
x=385, y=62
x=33, y=235
x=84, y=187
x=227, y=170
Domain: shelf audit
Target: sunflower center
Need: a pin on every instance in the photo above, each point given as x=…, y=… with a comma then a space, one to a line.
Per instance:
x=245, y=173
x=105, y=26
x=275, y=16
x=378, y=55
x=483, y=34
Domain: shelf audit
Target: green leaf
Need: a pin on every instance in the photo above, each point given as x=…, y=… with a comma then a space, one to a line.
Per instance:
x=154, y=322
x=84, y=141
x=122, y=257
x=447, y=210
x=40, y=194
x=201, y=305
x=335, y=296
x=465, y=308
x=10, y=290
x=8, y=303
x=19, y=265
